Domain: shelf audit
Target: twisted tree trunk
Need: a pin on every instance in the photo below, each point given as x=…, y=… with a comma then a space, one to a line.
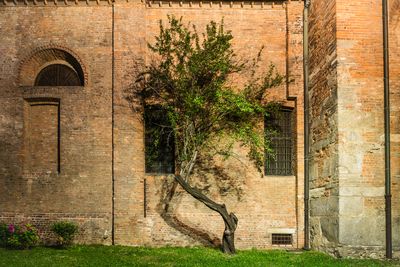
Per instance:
x=230, y=219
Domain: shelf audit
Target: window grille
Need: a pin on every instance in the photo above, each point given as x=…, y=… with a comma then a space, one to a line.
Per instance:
x=159, y=142
x=57, y=75
x=282, y=239
x=279, y=132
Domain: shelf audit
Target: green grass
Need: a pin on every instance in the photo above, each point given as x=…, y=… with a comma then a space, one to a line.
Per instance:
x=137, y=256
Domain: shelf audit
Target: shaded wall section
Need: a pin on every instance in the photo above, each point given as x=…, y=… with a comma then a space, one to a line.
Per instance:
x=32, y=187
x=324, y=184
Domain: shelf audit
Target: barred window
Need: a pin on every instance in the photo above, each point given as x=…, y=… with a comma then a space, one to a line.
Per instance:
x=58, y=75
x=282, y=239
x=159, y=141
x=279, y=132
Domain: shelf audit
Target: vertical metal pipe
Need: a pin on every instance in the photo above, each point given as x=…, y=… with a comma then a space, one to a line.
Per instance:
x=306, y=127
x=388, y=195
x=112, y=127
x=145, y=198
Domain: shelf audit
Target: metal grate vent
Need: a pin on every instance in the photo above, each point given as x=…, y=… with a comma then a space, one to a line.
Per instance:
x=282, y=239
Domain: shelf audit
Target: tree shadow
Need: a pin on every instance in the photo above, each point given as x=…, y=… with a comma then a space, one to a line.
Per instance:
x=207, y=174
x=166, y=207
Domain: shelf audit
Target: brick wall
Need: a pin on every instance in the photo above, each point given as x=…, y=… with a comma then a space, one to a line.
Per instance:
x=351, y=49
x=265, y=205
x=394, y=49
x=360, y=104
x=82, y=190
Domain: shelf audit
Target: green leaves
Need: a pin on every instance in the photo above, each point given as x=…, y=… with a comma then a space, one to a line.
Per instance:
x=65, y=232
x=191, y=82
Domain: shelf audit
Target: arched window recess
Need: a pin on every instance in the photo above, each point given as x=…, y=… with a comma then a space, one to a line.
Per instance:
x=52, y=67
x=58, y=75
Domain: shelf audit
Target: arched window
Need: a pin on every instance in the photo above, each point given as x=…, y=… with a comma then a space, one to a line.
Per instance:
x=52, y=67
x=58, y=75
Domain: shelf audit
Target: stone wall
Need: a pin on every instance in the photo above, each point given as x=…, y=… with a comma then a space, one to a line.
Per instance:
x=323, y=125
x=394, y=80
x=354, y=175
x=361, y=128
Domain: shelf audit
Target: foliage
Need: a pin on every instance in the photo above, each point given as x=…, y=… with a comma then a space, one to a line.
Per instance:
x=18, y=237
x=207, y=110
x=65, y=232
x=192, y=81
x=169, y=256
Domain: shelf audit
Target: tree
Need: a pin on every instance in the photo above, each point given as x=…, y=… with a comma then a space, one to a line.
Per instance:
x=191, y=82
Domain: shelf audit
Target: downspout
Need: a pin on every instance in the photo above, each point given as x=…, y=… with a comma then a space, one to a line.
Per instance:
x=112, y=129
x=306, y=127
x=388, y=195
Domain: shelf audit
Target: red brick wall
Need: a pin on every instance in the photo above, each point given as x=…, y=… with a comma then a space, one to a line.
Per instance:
x=82, y=191
x=41, y=136
x=267, y=204
x=346, y=39
x=394, y=54
x=360, y=104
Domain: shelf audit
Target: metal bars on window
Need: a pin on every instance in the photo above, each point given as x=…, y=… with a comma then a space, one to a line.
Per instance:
x=279, y=132
x=58, y=75
x=159, y=142
x=282, y=239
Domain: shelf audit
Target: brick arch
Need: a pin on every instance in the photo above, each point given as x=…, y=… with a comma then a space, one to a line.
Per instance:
x=43, y=56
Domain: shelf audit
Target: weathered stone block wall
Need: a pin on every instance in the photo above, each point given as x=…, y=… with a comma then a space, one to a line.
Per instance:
x=354, y=170
x=263, y=205
x=81, y=191
x=394, y=80
x=361, y=128
x=323, y=125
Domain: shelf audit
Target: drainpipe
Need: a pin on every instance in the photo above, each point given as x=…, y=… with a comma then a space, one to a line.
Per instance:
x=306, y=127
x=112, y=128
x=388, y=195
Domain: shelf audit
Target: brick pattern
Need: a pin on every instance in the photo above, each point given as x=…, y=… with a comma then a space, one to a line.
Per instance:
x=92, y=227
x=34, y=61
x=83, y=187
x=41, y=136
x=360, y=108
x=266, y=203
x=82, y=191
x=347, y=205
x=394, y=80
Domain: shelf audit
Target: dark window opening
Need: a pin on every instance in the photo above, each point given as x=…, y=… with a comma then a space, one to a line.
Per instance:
x=58, y=75
x=279, y=132
x=159, y=141
x=282, y=239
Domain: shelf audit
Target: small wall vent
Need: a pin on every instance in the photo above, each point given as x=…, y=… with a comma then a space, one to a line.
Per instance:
x=282, y=239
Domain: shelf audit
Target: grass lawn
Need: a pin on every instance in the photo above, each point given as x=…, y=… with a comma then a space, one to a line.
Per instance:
x=137, y=256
